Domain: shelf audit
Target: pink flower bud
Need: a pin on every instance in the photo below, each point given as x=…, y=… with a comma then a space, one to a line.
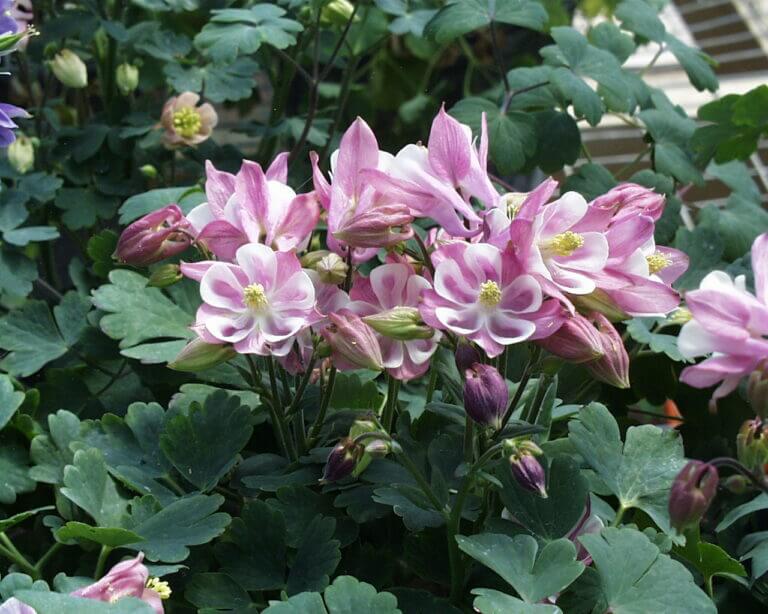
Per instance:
x=577, y=340
x=342, y=460
x=630, y=199
x=528, y=473
x=692, y=492
x=353, y=343
x=380, y=226
x=613, y=366
x=485, y=395
x=155, y=236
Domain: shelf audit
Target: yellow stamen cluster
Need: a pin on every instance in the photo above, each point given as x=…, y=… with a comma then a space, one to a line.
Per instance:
x=490, y=294
x=255, y=297
x=513, y=201
x=162, y=588
x=187, y=122
x=657, y=262
x=565, y=243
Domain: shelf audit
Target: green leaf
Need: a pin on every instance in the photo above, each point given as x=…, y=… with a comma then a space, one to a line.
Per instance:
x=10, y=400
x=535, y=574
x=641, y=18
x=31, y=336
x=17, y=272
x=633, y=573
x=489, y=601
x=409, y=503
x=639, y=472
x=106, y=536
x=51, y=452
x=221, y=82
x=30, y=234
x=317, y=557
x=354, y=392
x=757, y=504
x=89, y=486
x=254, y=550
x=558, y=140
x=203, y=444
x=704, y=247
x=591, y=180
x=303, y=603
x=346, y=595
x=14, y=469
x=139, y=205
x=640, y=330
x=217, y=591
x=736, y=175
x=234, y=32
x=671, y=134
x=100, y=248
x=586, y=102
x=709, y=559
x=553, y=517
x=65, y=604
x=127, y=296
x=697, y=64
x=41, y=187
x=12, y=521
x=461, y=16
x=738, y=224
x=168, y=532
x=82, y=207
x=606, y=35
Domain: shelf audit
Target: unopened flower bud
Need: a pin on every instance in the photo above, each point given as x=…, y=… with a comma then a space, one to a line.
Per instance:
x=613, y=366
x=155, y=236
x=757, y=390
x=310, y=259
x=70, y=69
x=736, y=483
x=528, y=473
x=331, y=269
x=127, y=78
x=342, y=460
x=692, y=492
x=629, y=200
x=752, y=445
x=378, y=448
x=336, y=13
x=466, y=355
x=165, y=275
x=485, y=395
x=380, y=226
x=198, y=355
x=353, y=343
x=401, y=323
x=149, y=171
x=598, y=301
x=21, y=154
x=576, y=341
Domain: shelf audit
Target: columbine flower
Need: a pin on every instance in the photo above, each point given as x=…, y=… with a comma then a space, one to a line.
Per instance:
x=15, y=16
x=729, y=324
x=185, y=123
x=438, y=181
x=481, y=292
x=349, y=196
x=7, y=125
x=253, y=207
x=388, y=287
x=158, y=235
x=258, y=305
x=127, y=579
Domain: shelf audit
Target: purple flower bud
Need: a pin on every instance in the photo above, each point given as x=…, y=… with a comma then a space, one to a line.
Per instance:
x=577, y=340
x=353, y=343
x=528, y=473
x=613, y=366
x=485, y=395
x=155, y=236
x=692, y=492
x=377, y=227
x=466, y=355
x=342, y=460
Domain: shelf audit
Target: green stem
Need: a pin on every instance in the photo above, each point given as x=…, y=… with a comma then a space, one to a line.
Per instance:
x=324, y=403
x=619, y=516
x=469, y=440
x=9, y=551
x=409, y=465
x=43, y=561
x=278, y=412
x=387, y=418
x=101, y=563
x=432, y=383
x=294, y=406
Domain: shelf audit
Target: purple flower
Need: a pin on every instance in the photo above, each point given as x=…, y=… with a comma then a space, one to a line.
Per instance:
x=692, y=493
x=7, y=125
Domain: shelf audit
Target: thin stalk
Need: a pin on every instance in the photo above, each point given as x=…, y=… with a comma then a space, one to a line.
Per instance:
x=278, y=412
x=732, y=463
x=9, y=551
x=497, y=58
x=393, y=386
x=101, y=562
x=43, y=560
x=417, y=475
x=324, y=403
x=424, y=253
x=299, y=394
x=469, y=439
x=518, y=393
x=432, y=383
x=619, y=516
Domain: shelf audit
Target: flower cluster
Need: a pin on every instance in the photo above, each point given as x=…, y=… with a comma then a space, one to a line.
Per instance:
x=497, y=269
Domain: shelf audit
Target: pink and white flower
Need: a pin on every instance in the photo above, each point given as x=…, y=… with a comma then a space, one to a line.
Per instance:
x=253, y=207
x=438, y=181
x=729, y=324
x=390, y=286
x=482, y=293
x=259, y=305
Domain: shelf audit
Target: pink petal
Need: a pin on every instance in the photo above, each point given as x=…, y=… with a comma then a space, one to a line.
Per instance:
x=222, y=286
x=259, y=263
x=196, y=270
x=278, y=170
x=523, y=295
x=388, y=282
x=562, y=214
x=760, y=267
x=219, y=186
x=450, y=148
x=462, y=321
x=678, y=264
x=223, y=239
x=506, y=328
x=299, y=222
x=322, y=187
x=358, y=150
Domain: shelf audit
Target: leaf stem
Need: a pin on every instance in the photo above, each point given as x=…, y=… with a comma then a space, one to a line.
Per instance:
x=393, y=386
x=324, y=403
x=101, y=562
x=278, y=412
x=411, y=467
x=9, y=551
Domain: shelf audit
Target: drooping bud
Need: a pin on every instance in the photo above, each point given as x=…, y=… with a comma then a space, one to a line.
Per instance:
x=692, y=492
x=401, y=323
x=70, y=69
x=165, y=275
x=613, y=366
x=198, y=355
x=342, y=460
x=528, y=473
x=331, y=269
x=378, y=448
x=380, y=226
x=353, y=343
x=757, y=391
x=21, y=154
x=576, y=341
x=466, y=355
x=485, y=395
x=127, y=78
x=155, y=236
x=752, y=445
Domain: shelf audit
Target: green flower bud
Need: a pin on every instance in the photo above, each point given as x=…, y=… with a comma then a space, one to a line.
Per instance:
x=198, y=355
x=165, y=275
x=149, y=171
x=21, y=154
x=600, y=302
x=70, y=69
x=401, y=323
x=127, y=78
x=336, y=13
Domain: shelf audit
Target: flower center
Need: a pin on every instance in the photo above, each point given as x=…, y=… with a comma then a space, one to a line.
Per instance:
x=657, y=262
x=162, y=588
x=187, y=122
x=254, y=297
x=565, y=243
x=513, y=201
x=490, y=294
